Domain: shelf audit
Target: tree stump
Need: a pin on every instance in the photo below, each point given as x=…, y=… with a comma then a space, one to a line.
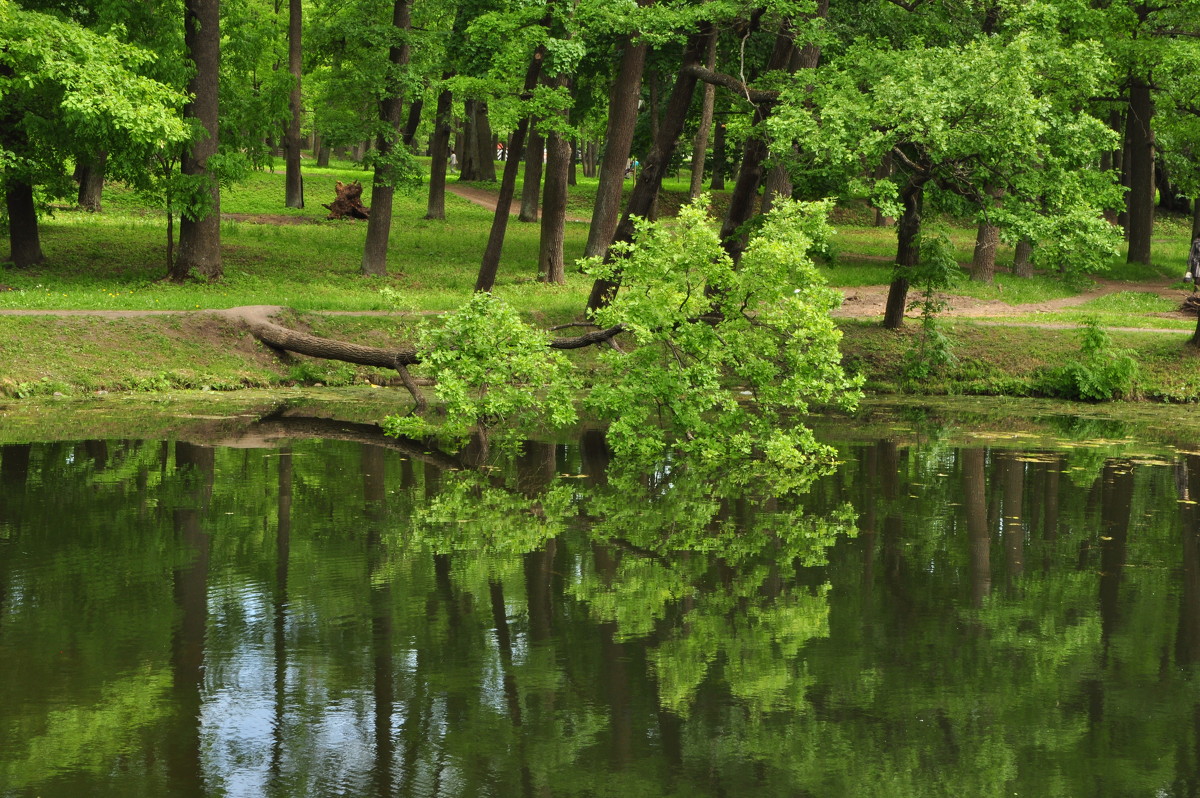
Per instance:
x=348, y=202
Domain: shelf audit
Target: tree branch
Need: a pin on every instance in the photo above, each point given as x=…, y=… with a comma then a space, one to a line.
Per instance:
x=729, y=82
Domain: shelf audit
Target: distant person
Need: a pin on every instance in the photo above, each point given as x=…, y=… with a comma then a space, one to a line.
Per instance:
x=499, y=151
x=453, y=161
x=1193, y=264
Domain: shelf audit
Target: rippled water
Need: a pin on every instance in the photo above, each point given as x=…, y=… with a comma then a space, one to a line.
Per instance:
x=341, y=618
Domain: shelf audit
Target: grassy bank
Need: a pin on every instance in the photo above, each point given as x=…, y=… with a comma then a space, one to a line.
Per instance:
x=114, y=261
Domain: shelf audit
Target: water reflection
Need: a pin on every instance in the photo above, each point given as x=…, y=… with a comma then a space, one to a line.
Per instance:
x=353, y=615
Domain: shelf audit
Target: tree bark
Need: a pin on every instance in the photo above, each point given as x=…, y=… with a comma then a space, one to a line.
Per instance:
x=439, y=150
x=908, y=251
x=618, y=137
x=551, y=263
x=491, y=255
x=25, y=247
x=700, y=145
x=719, y=159
x=532, y=188
x=379, y=226
x=200, y=238
x=90, y=173
x=293, y=179
x=323, y=154
x=649, y=180
x=983, y=261
x=1022, y=264
x=1139, y=139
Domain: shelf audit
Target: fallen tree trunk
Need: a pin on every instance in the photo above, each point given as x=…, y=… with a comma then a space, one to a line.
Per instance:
x=277, y=336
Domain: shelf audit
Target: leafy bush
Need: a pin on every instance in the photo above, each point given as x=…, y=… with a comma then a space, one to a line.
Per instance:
x=938, y=270
x=1100, y=373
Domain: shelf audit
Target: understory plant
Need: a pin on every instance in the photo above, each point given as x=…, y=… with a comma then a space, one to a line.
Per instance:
x=1101, y=372
x=931, y=352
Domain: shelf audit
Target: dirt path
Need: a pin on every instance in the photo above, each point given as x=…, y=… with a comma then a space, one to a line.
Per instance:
x=869, y=300
x=490, y=199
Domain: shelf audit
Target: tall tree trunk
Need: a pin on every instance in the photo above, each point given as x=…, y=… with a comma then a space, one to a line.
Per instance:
x=700, y=145
x=90, y=173
x=719, y=158
x=379, y=225
x=551, y=264
x=200, y=239
x=1195, y=218
x=485, y=142
x=572, y=177
x=25, y=247
x=491, y=255
x=1139, y=139
x=649, y=179
x=293, y=180
x=784, y=56
x=532, y=188
x=908, y=251
x=413, y=122
x=1022, y=263
x=323, y=154
x=983, y=261
x=439, y=149
x=618, y=137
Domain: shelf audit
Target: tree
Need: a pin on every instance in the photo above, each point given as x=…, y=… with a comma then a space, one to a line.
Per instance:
x=999, y=115
x=200, y=226
x=294, y=181
x=63, y=90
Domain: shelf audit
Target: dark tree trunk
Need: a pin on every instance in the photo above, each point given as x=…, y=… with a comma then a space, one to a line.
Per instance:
x=293, y=180
x=413, y=122
x=323, y=154
x=572, y=172
x=200, y=239
x=90, y=174
x=618, y=137
x=983, y=261
x=379, y=226
x=484, y=141
x=908, y=252
x=468, y=153
x=491, y=255
x=532, y=188
x=700, y=145
x=1022, y=264
x=719, y=159
x=649, y=180
x=25, y=247
x=978, y=540
x=1139, y=138
x=551, y=263
x=778, y=184
x=439, y=150
x=1195, y=218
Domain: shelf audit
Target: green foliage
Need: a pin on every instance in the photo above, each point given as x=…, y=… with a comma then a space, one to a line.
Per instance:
x=491, y=369
x=1101, y=372
x=937, y=271
x=725, y=357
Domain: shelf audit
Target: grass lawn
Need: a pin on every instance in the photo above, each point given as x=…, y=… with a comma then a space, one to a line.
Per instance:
x=295, y=258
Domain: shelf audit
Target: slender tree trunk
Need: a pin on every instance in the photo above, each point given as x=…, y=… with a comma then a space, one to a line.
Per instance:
x=379, y=224
x=1196, y=218
x=700, y=145
x=908, y=251
x=719, y=159
x=1139, y=138
x=491, y=255
x=440, y=151
x=978, y=540
x=551, y=264
x=618, y=137
x=572, y=177
x=468, y=153
x=532, y=188
x=415, y=108
x=293, y=180
x=323, y=154
x=200, y=239
x=649, y=179
x=25, y=247
x=91, y=180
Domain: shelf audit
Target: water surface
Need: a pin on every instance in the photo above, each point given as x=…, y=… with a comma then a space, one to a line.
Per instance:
x=341, y=617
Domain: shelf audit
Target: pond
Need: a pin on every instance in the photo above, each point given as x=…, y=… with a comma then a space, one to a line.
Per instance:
x=302, y=608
